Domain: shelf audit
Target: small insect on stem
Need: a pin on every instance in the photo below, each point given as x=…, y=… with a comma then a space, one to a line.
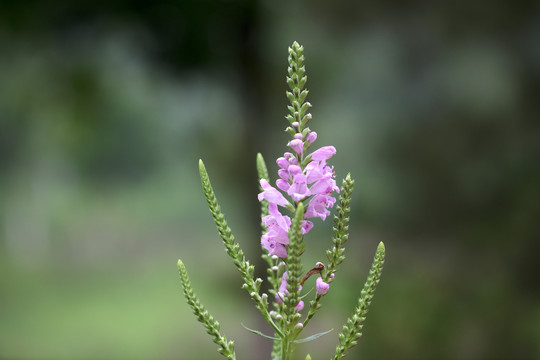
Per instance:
x=316, y=270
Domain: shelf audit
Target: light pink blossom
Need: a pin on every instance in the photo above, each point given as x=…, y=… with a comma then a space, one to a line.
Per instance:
x=321, y=286
x=280, y=296
x=299, y=190
x=324, y=153
x=311, y=137
x=271, y=194
x=297, y=145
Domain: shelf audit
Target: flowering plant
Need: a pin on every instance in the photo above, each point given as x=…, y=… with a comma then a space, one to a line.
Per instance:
x=309, y=183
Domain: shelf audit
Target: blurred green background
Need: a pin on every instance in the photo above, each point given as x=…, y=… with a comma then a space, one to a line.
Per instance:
x=105, y=109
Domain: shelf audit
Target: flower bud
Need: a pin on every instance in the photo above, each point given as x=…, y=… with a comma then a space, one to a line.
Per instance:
x=321, y=286
x=311, y=137
x=297, y=145
x=294, y=170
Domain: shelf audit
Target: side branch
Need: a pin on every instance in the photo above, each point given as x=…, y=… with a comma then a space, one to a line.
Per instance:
x=233, y=249
x=341, y=234
x=226, y=348
x=353, y=329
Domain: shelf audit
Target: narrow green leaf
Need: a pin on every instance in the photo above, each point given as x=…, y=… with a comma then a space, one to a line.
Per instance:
x=313, y=337
x=259, y=333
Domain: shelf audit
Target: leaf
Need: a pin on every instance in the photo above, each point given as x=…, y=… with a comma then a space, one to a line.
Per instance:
x=312, y=337
x=306, y=294
x=259, y=333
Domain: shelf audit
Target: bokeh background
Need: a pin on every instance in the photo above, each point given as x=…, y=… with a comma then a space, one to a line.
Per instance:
x=106, y=107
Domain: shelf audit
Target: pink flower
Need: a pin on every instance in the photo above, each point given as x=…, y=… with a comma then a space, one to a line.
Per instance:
x=297, y=145
x=306, y=226
x=321, y=286
x=283, y=184
x=282, y=162
x=271, y=194
x=273, y=247
x=280, y=296
x=300, y=182
x=311, y=137
x=284, y=174
x=299, y=190
x=324, y=153
x=290, y=158
x=276, y=220
x=318, y=206
x=277, y=235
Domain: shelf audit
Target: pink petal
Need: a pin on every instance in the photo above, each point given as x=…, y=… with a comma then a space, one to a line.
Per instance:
x=324, y=153
x=321, y=286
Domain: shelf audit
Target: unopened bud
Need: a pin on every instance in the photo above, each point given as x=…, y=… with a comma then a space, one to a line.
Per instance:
x=299, y=326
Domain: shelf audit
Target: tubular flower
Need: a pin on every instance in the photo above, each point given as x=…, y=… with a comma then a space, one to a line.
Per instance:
x=280, y=296
x=313, y=182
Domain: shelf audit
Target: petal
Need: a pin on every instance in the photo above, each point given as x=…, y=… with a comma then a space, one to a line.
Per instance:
x=321, y=286
x=283, y=184
x=324, y=153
